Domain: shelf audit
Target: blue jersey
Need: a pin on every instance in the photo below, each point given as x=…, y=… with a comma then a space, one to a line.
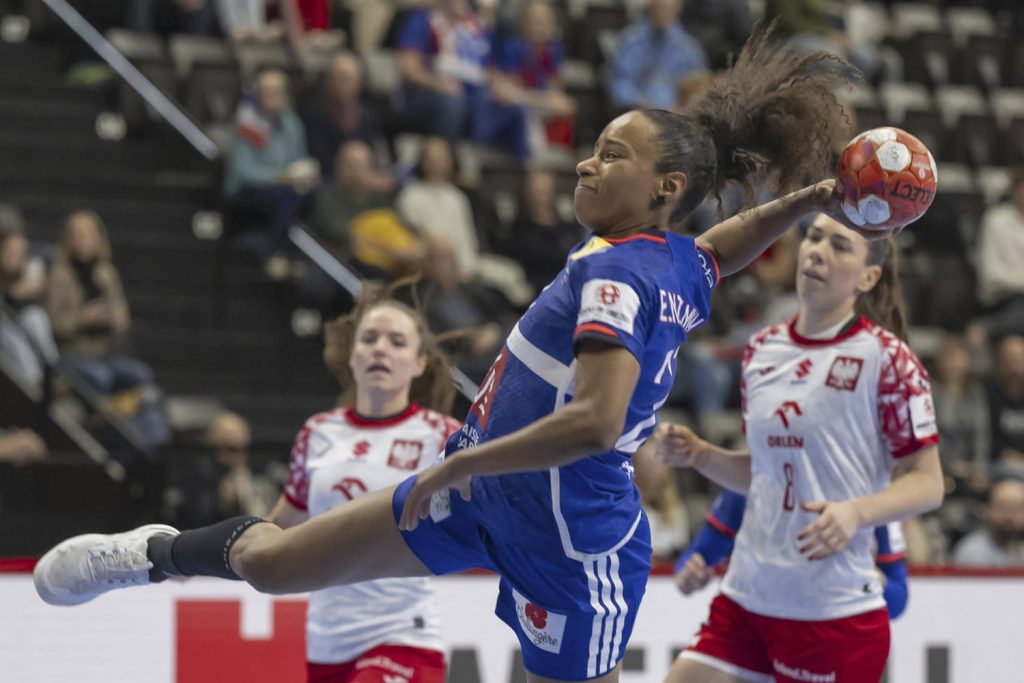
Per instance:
x=645, y=293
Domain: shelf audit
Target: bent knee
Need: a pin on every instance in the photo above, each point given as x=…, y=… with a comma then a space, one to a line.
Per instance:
x=260, y=562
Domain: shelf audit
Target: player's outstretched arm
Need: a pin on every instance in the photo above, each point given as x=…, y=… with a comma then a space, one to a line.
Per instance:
x=917, y=487
x=606, y=376
x=681, y=447
x=736, y=242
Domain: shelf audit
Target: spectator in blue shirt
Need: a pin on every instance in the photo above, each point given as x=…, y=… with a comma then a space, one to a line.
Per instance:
x=444, y=55
x=652, y=55
x=268, y=175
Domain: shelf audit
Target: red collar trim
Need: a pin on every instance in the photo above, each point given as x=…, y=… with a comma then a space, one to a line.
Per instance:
x=651, y=234
x=851, y=330
x=357, y=420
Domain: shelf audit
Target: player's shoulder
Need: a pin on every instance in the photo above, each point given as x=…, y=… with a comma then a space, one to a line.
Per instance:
x=768, y=335
x=438, y=421
x=893, y=350
x=326, y=417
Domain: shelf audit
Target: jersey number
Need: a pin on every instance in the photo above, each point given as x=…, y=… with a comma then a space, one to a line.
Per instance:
x=789, y=499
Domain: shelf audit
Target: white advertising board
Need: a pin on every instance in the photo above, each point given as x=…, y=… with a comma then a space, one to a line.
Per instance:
x=955, y=630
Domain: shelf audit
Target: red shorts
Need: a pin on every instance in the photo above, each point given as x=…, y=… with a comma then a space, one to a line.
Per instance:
x=760, y=649
x=383, y=664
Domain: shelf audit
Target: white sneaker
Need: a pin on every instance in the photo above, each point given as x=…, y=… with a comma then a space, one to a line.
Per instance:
x=80, y=568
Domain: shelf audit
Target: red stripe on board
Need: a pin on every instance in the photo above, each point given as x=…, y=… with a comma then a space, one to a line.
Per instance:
x=17, y=565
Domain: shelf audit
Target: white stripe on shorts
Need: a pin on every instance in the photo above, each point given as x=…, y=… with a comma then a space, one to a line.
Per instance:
x=607, y=600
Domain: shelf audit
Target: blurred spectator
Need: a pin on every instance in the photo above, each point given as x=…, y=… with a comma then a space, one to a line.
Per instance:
x=1000, y=255
x=529, y=70
x=961, y=409
x=659, y=493
x=538, y=238
x=247, y=21
x=720, y=26
x=268, y=174
x=21, y=446
x=1006, y=405
x=89, y=313
x=450, y=303
x=219, y=482
x=26, y=339
x=865, y=36
x=443, y=55
x=166, y=17
x=652, y=55
x=355, y=218
x=808, y=25
x=436, y=207
x=339, y=112
x=999, y=543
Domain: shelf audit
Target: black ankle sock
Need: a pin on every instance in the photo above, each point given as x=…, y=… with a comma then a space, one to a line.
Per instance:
x=198, y=552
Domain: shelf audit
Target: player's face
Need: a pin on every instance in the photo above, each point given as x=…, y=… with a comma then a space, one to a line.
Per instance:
x=386, y=354
x=618, y=183
x=832, y=268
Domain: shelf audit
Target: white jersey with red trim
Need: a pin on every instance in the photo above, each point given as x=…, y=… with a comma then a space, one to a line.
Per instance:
x=825, y=420
x=337, y=457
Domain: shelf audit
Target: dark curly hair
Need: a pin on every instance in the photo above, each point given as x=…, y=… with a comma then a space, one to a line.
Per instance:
x=773, y=116
x=434, y=389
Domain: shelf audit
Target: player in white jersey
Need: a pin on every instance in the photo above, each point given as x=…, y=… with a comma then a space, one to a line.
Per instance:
x=842, y=439
x=388, y=629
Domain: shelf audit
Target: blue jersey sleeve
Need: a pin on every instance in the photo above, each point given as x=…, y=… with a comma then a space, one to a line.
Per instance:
x=614, y=304
x=716, y=538
x=415, y=32
x=890, y=558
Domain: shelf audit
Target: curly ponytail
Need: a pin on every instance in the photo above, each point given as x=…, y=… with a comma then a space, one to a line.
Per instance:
x=773, y=116
x=884, y=303
x=434, y=389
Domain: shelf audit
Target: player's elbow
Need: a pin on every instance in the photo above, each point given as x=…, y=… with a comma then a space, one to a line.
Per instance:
x=598, y=432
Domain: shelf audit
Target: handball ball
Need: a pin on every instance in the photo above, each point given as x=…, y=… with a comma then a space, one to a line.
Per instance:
x=888, y=179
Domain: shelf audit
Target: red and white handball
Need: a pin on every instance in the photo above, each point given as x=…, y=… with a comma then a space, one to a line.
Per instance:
x=888, y=178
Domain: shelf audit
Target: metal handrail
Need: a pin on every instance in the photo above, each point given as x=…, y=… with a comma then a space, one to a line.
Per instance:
x=351, y=283
x=163, y=105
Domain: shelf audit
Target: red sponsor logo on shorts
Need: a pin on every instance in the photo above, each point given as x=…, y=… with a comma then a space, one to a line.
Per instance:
x=609, y=294
x=786, y=441
x=484, y=398
x=844, y=373
x=537, y=615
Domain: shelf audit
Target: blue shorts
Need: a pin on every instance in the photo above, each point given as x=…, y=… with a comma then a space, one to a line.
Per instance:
x=573, y=615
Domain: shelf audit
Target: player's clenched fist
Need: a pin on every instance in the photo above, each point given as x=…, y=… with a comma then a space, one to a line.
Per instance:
x=679, y=446
x=694, y=575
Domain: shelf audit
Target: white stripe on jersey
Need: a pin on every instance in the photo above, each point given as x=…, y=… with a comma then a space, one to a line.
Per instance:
x=549, y=369
x=563, y=528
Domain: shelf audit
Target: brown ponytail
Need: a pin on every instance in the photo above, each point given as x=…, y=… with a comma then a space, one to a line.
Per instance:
x=884, y=303
x=434, y=389
x=773, y=116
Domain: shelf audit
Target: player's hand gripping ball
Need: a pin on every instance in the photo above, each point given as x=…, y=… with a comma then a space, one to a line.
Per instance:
x=888, y=179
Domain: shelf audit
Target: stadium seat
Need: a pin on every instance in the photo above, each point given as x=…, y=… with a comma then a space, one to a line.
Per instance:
x=956, y=178
x=909, y=18
x=897, y=98
x=256, y=56
x=1008, y=104
x=188, y=50
x=956, y=100
x=578, y=74
x=861, y=95
x=871, y=117
x=994, y=183
x=382, y=76
x=965, y=22
x=137, y=47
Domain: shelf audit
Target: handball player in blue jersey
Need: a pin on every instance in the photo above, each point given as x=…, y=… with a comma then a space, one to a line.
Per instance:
x=538, y=485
